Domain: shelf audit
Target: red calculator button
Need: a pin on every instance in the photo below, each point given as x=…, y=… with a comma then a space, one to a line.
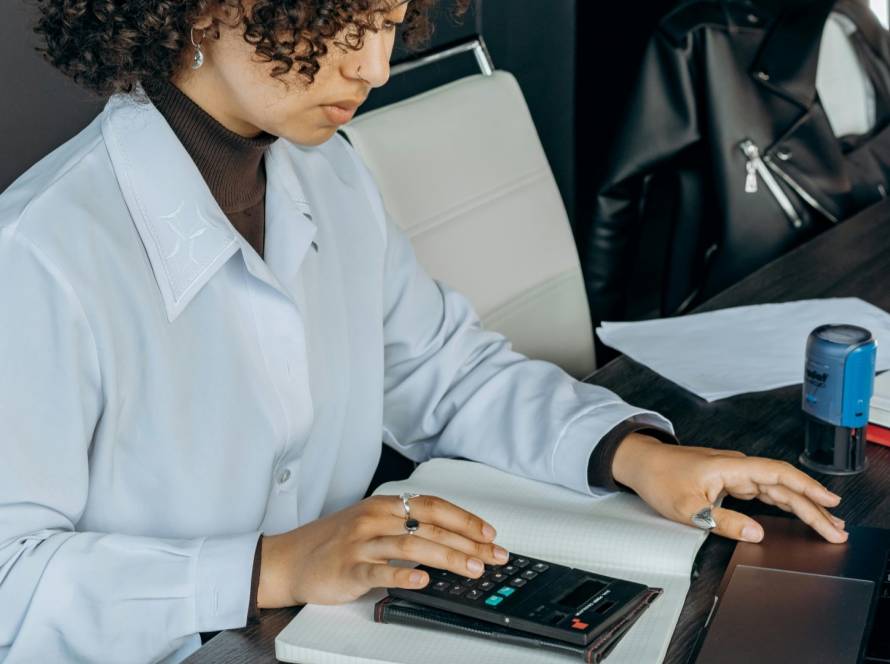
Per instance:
x=577, y=624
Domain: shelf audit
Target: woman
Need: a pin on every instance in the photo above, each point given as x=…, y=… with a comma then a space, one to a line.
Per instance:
x=212, y=329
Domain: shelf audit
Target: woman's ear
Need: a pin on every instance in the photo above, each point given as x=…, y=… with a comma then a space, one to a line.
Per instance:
x=230, y=12
x=224, y=12
x=204, y=22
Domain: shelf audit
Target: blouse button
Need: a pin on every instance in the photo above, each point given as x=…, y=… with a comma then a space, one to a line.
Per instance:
x=284, y=476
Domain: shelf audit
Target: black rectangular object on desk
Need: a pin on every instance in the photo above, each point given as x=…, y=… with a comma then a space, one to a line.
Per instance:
x=402, y=612
x=534, y=597
x=797, y=598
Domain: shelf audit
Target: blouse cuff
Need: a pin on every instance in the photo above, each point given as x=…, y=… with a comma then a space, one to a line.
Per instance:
x=599, y=468
x=222, y=583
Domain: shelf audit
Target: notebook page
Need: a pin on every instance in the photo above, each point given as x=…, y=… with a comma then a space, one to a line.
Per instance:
x=348, y=635
x=617, y=535
x=617, y=532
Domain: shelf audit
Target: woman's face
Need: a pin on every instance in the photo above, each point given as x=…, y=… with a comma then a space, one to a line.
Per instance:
x=237, y=88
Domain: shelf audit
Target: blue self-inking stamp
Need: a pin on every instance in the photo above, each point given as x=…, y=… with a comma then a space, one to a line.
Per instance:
x=837, y=387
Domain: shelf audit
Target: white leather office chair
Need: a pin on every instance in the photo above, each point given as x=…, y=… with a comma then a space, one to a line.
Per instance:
x=463, y=173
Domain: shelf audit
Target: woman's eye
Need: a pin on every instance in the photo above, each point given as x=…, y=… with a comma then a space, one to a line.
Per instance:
x=389, y=26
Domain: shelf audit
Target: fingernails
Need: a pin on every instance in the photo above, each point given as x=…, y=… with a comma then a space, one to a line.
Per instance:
x=501, y=554
x=751, y=534
x=417, y=578
x=833, y=496
x=475, y=565
x=488, y=532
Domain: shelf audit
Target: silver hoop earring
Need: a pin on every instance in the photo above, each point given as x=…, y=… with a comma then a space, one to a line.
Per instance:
x=198, y=57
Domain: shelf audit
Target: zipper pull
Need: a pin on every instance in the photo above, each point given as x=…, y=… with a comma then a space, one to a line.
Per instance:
x=752, y=154
x=751, y=178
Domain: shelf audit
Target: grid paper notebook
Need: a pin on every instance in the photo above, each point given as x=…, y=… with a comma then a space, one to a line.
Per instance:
x=618, y=535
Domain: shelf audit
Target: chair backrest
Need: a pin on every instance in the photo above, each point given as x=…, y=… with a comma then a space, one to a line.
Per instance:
x=463, y=173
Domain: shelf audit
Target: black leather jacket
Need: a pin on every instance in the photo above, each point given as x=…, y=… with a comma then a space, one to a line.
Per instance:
x=726, y=159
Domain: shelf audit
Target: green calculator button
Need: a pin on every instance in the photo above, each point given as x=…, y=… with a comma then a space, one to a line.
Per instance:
x=506, y=591
x=494, y=600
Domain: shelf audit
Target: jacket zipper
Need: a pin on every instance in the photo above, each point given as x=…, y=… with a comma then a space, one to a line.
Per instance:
x=800, y=191
x=757, y=166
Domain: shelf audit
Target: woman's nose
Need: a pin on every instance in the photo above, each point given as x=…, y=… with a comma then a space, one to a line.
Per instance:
x=371, y=63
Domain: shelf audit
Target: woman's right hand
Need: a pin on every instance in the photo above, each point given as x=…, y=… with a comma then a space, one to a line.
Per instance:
x=342, y=556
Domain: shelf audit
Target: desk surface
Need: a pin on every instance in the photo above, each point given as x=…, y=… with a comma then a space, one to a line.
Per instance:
x=850, y=260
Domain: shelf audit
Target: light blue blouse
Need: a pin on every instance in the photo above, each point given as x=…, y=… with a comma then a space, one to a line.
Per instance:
x=166, y=394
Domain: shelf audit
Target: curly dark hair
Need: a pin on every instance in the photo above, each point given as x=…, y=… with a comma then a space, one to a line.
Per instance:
x=111, y=45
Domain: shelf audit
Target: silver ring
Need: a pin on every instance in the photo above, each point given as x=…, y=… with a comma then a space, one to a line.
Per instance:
x=704, y=519
x=405, y=506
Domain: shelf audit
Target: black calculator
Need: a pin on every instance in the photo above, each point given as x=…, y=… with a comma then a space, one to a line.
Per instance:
x=533, y=596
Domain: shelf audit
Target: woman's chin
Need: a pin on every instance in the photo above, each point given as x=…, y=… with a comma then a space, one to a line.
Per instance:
x=310, y=137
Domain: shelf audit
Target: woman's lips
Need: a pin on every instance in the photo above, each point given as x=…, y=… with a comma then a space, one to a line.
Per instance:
x=339, y=114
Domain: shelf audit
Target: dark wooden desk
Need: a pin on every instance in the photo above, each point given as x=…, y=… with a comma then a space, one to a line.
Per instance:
x=850, y=260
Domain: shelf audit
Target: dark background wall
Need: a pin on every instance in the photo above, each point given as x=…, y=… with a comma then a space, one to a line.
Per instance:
x=534, y=39
x=39, y=108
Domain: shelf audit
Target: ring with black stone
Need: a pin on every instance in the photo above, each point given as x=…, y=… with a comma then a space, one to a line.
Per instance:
x=412, y=526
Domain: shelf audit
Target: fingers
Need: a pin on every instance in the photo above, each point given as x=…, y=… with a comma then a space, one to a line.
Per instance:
x=737, y=526
x=489, y=553
x=388, y=576
x=840, y=523
x=439, y=512
x=810, y=513
x=424, y=551
x=765, y=472
x=729, y=523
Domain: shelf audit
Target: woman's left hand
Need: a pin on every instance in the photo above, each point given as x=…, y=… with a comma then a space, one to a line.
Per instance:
x=679, y=481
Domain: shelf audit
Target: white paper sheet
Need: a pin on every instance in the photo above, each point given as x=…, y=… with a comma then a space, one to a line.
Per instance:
x=880, y=402
x=744, y=349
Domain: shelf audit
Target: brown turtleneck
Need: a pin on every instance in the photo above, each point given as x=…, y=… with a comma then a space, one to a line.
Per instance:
x=231, y=164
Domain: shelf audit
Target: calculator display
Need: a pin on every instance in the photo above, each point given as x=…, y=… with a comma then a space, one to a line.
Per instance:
x=581, y=593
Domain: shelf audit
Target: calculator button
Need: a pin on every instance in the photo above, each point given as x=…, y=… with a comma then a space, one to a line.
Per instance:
x=510, y=570
x=474, y=594
x=468, y=582
x=540, y=567
x=458, y=589
x=494, y=600
x=506, y=591
x=578, y=624
x=528, y=574
x=520, y=562
x=518, y=581
x=486, y=585
x=441, y=585
x=497, y=577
